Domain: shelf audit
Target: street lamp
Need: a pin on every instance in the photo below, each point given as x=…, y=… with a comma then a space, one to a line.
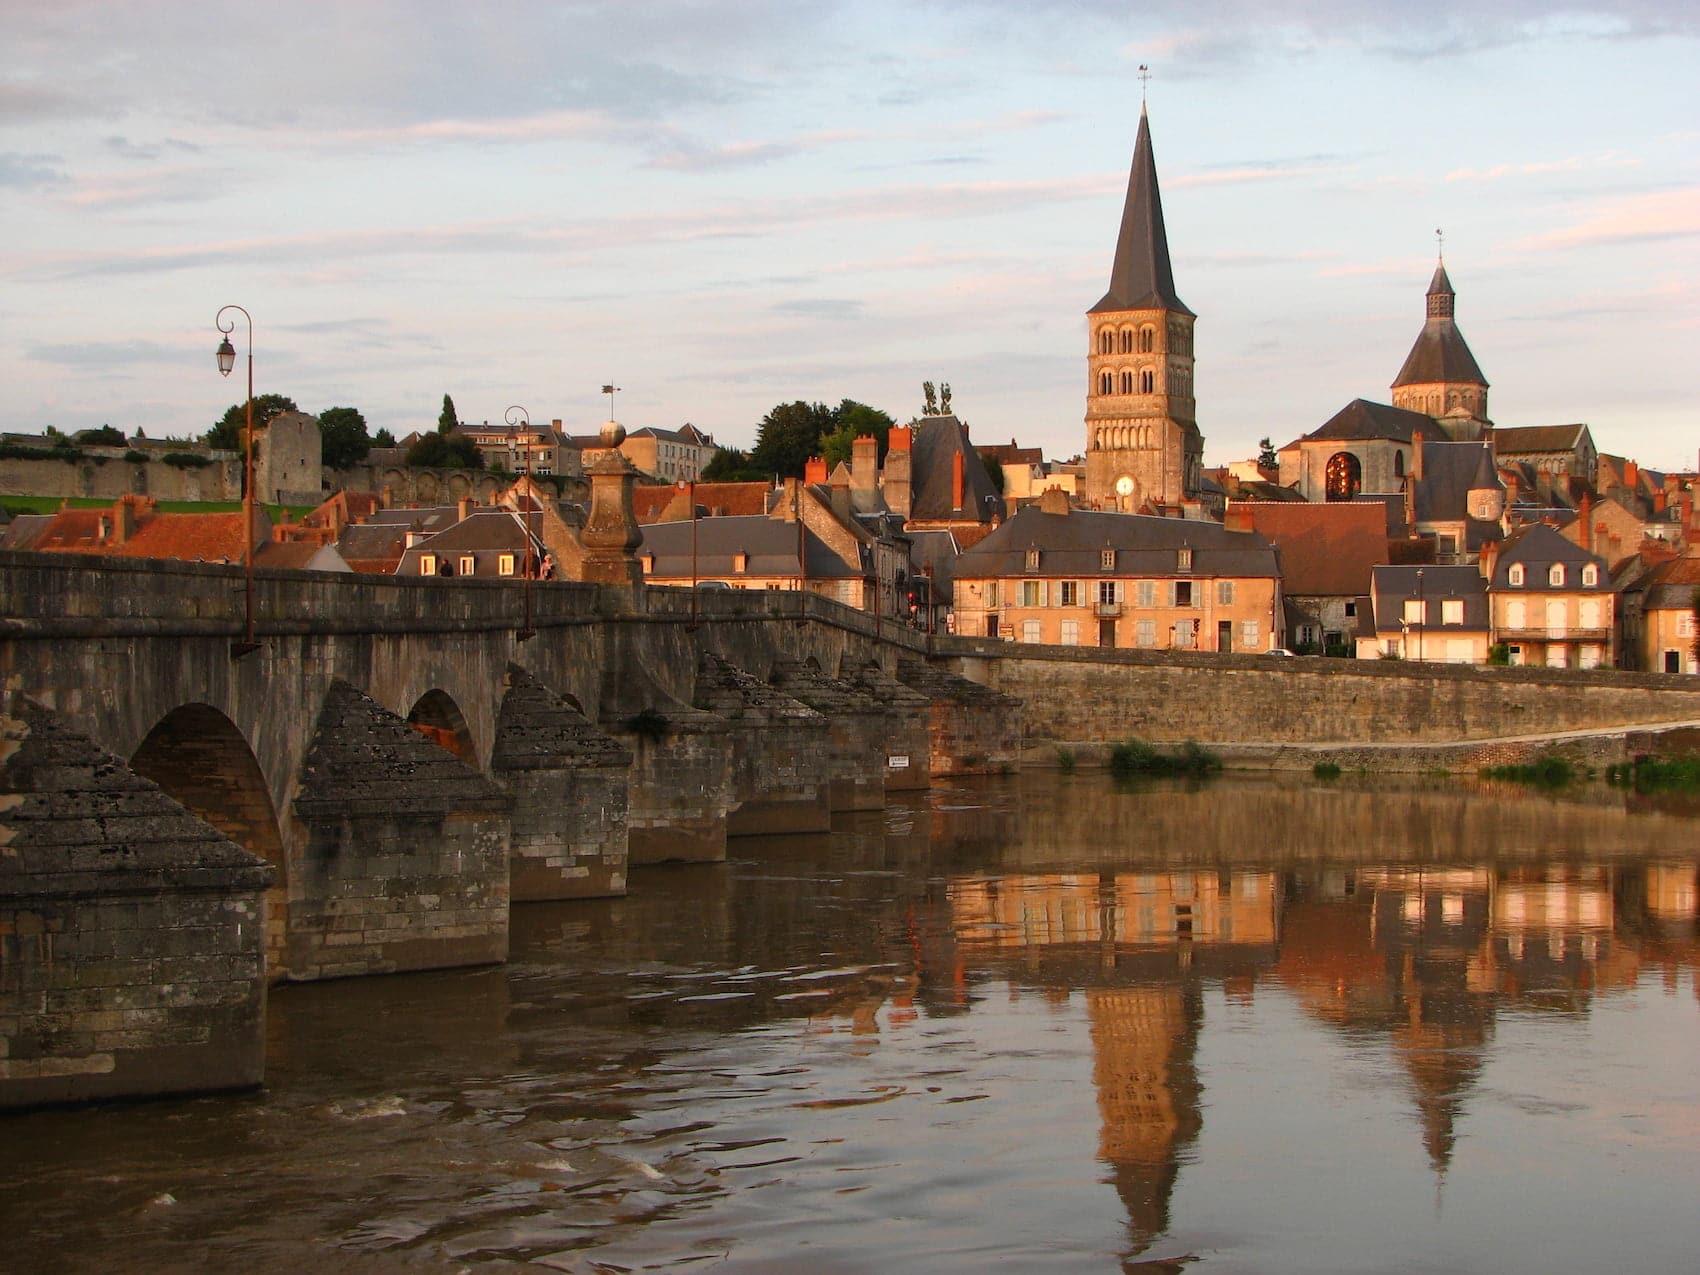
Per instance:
x=226, y=361
x=519, y=418
x=1422, y=614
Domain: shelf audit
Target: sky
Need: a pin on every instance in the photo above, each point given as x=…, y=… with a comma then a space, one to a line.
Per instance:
x=724, y=206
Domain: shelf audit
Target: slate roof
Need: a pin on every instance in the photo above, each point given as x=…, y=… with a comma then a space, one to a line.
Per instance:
x=771, y=545
x=1391, y=585
x=935, y=553
x=1141, y=278
x=1442, y=494
x=1671, y=586
x=1011, y=454
x=1538, y=547
x=24, y=530
x=1534, y=440
x=1440, y=354
x=1146, y=547
x=1362, y=421
x=935, y=441
x=1323, y=550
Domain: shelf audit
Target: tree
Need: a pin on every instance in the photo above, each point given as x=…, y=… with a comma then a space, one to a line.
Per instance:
x=226, y=432
x=729, y=465
x=1266, y=457
x=105, y=436
x=383, y=438
x=853, y=421
x=433, y=451
x=789, y=435
x=994, y=470
x=342, y=436
x=447, y=421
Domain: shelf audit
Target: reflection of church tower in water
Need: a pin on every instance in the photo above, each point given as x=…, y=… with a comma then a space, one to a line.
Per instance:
x=1143, y=1044
x=1143, y=447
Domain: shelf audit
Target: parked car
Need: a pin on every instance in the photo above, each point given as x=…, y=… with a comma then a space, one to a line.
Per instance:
x=1278, y=650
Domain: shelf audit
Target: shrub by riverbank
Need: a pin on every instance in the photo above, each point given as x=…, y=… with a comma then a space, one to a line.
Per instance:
x=1657, y=774
x=1136, y=757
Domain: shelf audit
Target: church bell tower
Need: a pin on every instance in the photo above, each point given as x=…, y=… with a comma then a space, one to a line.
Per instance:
x=1143, y=447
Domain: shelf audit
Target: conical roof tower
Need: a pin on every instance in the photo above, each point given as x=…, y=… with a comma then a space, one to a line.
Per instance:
x=1440, y=377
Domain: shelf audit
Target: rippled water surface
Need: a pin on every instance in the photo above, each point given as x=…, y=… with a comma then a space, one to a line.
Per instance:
x=1042, y=1024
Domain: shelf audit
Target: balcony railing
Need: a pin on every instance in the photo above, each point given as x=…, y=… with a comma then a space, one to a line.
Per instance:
x=1107, y=610
x=1565, y=634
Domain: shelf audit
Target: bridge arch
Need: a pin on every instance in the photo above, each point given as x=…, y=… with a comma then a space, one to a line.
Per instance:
x=201, y=760
x=436, y=716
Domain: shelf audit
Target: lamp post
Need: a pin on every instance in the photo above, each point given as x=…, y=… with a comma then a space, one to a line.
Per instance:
x=519, y=418
x=691, y=495
x=1422, y=614
x=226, y=361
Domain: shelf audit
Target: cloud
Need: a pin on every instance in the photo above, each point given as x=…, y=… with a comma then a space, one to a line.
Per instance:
x=106, y=355
x=159, y=185
x=18, y=169
x=127, y=149
x=1538, y=168
x=821, y=308
x=1650, y=218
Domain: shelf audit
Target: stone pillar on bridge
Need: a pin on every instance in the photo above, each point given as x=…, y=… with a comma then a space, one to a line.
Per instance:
x=132, y=934
x=569, y=782
x=404, y=863
x=611, y=534
x=973, y=729
x=859, y=725
x=781, y=752
x=908, y=761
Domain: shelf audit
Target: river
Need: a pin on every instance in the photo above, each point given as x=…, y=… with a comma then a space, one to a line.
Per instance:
x=1045, y=1023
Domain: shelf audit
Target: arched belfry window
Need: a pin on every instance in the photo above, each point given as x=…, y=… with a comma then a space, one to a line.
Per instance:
x=1105, y=385
x=1127, y=340
x=1106, y=341
x=1147, y=381
x=1344, y=476
x=1127, y=382
x=1147, y=340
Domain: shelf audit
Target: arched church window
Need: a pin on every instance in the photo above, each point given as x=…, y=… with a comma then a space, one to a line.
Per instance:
x=1105, y=385
x=1147, y=339
x=1127, y=382
x=1343, y=477
x=1106, y=341
x=1398, y=464
x=1147, y=381
x=1127, y=340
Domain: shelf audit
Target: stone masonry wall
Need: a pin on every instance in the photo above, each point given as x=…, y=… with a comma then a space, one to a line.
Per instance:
x=131, y=933
x=104, y=476
x=781, y=752
x=973, y=729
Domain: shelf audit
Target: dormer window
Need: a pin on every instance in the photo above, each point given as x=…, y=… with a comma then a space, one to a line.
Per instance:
x=1183, y=559
x=1032, y=559
x=1590, y=576
x=1514, y=577
x=1107, y=560
x=740, y=562
x=1555, y=575
x=647, y=561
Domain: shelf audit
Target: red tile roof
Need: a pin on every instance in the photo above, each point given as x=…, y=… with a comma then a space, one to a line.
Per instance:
x=650, y=502
x=1327, y=550
x=188, y=538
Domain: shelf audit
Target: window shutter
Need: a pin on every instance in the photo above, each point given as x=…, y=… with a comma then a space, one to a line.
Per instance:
x=1120, y=586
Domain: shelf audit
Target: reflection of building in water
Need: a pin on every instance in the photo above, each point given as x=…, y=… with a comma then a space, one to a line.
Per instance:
x=1662, y=910
x=1143, y=1043
x=1140, y=944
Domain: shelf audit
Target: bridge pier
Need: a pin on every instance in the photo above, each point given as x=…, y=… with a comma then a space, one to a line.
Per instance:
x=857, y=724
x=132, y=934
x=907, y=763
x=972, y=729
x=781, y=752
x=568, y=782
x=404, y=851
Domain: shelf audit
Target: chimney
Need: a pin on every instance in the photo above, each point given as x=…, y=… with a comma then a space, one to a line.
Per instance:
x=1586, y=516
x=814, y=470
x=1490, y=559
x=386, y=496
x=464, y=508
x=956, y=480
x=899, y=471
x=123, y=519
x=900, y=439
x=1631, y=475
x=865, y=463
x=1660, y=500
x=1053, y=500
x=1417, y=455
x=1238, y=517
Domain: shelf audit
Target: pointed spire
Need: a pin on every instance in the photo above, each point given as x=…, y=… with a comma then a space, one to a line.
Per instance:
x=1141, y=278
x=1442, y=301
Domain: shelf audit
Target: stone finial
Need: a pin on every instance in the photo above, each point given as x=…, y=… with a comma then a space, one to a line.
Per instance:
x=613, y=434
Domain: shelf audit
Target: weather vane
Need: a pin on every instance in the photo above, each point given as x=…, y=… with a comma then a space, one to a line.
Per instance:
x=610, y=391
x=1144, y=76
x=1440, y=243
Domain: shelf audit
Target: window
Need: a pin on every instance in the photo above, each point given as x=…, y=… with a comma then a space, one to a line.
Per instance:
x=1032, y=559
x=1555, y=575
x=468, y=564
x=1071, y=632
x=1447, y=546
x=1590, y=614
x=1452, y=611
x=1183, y=559
x=1183, y=593
x=1590, y=576
x=740, y=562
x=1127, y=382
x=1107, y=560
x=1398, y=464
x=1147, y=593
x=505, y=565
x=1184, y=635
x=1248, y=634
x=1514, y=577
x=1030, y=593
x=1416, y=610
x=1106, y=342
x=1069, y=591
x=1685, y=624
x=427, y=564
x=1145, y=633
x=1351, y=610
x=1224, y=593
x=1516, y=614
x=1147, y=382
x=1106, y=592
x=1030, y=631
x=1342, y=477
x=1147, y=339
x=1105, y=384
